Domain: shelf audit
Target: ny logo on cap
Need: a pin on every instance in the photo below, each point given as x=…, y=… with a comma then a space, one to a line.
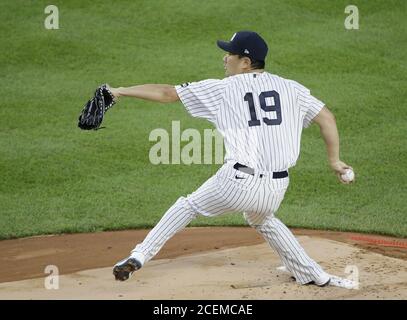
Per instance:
x=246, y=51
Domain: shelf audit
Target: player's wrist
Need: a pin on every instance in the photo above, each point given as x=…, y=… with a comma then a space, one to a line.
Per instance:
x=335, y=164
x=333, y=161
x=117, y=92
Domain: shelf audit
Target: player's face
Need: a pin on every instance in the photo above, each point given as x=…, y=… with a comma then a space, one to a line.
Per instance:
x=233, y=65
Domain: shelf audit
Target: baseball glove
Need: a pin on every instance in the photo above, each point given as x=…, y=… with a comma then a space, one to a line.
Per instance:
x=92, y=114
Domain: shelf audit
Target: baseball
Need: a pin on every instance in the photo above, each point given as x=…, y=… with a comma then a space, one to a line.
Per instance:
x=348, y=176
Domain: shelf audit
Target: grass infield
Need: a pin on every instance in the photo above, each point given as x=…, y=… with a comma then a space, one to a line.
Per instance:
x=56, y=178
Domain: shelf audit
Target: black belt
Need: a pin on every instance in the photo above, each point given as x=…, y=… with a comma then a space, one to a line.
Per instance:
x=246, y=169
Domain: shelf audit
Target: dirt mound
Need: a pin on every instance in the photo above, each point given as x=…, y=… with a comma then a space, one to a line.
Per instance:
x=200, y=263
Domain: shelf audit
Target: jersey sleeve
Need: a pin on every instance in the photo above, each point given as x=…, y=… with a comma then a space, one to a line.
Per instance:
x=310, y=105
x=203, y=98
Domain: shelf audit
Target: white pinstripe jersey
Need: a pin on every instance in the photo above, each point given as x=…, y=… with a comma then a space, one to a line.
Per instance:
x=260, y=116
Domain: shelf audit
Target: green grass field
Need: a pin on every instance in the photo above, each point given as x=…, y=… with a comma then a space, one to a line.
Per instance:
x=56, y=178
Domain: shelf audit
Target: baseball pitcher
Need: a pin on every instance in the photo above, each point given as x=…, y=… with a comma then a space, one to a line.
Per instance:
x=261, y=117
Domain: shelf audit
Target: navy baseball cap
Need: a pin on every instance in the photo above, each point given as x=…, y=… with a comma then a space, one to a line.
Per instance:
x=246, y=43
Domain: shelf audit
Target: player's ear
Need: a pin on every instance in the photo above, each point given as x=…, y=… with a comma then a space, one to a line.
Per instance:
x=247, y=63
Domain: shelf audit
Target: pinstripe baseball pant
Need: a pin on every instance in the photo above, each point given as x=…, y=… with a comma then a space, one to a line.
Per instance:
x=230, y=190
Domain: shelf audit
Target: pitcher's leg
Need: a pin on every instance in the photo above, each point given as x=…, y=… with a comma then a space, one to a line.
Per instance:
x=208, y=200
x=177, y=217
x=294, y=257
x=204, y=201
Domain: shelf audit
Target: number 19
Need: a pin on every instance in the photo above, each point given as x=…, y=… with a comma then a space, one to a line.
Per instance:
x=268, y=108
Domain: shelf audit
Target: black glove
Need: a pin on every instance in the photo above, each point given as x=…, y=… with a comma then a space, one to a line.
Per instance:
x=92, y=114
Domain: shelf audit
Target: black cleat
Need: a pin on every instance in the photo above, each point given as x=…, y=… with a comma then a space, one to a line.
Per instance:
x=125, y=268
x=313, y=283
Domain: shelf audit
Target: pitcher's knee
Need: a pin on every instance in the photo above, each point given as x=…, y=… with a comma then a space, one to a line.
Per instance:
x=183, y=203
x=199, y=208
x=254, y=220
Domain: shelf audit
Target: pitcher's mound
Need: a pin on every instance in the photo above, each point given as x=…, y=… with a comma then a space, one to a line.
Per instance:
x=246, y=272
